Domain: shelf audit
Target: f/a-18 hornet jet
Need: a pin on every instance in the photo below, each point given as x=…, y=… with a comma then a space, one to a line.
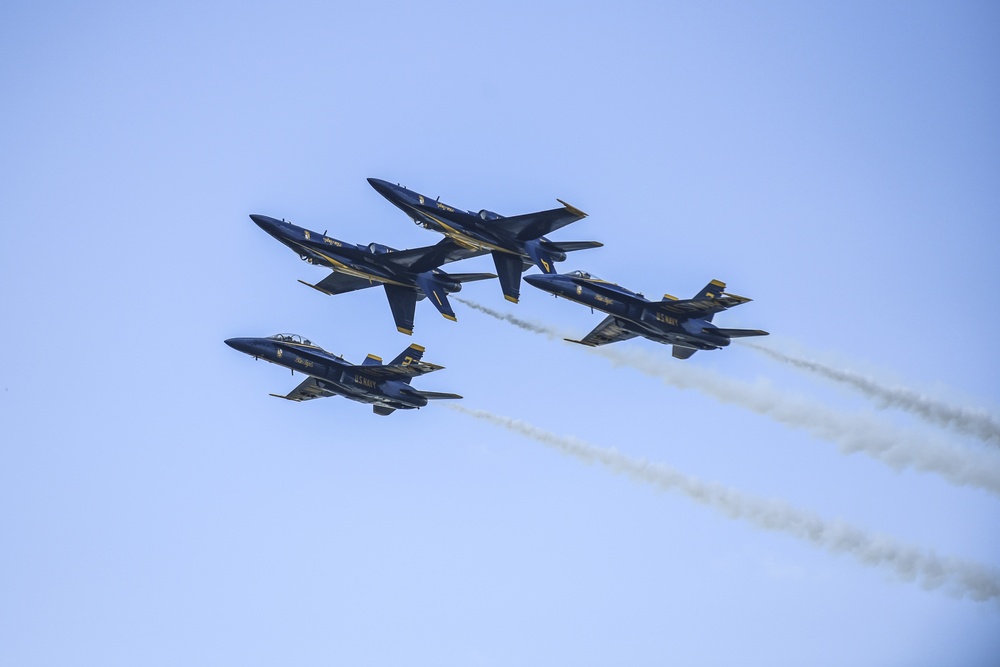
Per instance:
x=684, y=323
x=406, y=275
x=516, y=242
x=385, y=386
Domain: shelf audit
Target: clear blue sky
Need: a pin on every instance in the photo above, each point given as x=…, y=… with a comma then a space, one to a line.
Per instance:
x=839, y=164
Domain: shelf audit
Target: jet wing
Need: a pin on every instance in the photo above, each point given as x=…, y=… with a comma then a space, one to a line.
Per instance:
x=308, y=390
x=403, y=302
x=606, y=332
x=700, y=307
x=398, y=371
x=509, y=268
x=339, y=283
x=535, y=225
x=423, y=259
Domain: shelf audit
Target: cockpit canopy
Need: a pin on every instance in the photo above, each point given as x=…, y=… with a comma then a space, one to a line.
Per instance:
x=292, y=338
x=379, y=249
x=582, y=274
x=489, y=215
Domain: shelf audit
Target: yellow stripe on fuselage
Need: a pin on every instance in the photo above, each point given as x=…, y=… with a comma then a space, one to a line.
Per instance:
x=343, y=268
x=463, y=239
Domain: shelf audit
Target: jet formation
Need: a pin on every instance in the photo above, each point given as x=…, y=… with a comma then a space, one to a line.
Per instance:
x=516, y=243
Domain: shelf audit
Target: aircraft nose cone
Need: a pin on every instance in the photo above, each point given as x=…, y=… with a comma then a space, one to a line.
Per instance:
x=240, y=344
x=540, y=281
x=384, y=188
x=263, y=221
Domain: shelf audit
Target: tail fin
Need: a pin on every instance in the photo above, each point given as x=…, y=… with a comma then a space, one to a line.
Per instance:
x=435, y=291
x=372, y=360
x=413, y=353
x=712, y=290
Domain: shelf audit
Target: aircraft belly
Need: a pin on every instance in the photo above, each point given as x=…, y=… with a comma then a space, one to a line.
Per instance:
x=462, y=237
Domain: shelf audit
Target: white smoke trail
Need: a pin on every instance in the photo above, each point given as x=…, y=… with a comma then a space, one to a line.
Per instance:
x=533, y=327
x=971, y=421
x=980, y=582
x=896, y=447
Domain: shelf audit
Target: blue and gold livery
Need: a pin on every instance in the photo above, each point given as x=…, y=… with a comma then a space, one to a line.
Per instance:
x=406, y=275
x=515, y=242
x=386, y=387
x=684, y=323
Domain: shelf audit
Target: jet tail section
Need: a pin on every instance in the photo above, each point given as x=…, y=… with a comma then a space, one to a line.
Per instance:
x=710, y=291
x=509, y=269
x=372, y=360
x=436, y=294
x=544, y=258
x=413, y=353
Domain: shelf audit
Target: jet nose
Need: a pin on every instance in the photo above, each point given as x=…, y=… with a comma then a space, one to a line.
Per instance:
x=384, y=188
x=263, y=221
x=244, y=345
x=539, y=280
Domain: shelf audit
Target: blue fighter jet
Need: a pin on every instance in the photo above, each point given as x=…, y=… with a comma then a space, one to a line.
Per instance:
x=684, y=323
x=515, y=242
x=385, y=386
x=406, y=275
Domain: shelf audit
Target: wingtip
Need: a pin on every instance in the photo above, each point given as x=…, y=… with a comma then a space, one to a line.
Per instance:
x=572, y=209
x=449, y=317
x=579, y=342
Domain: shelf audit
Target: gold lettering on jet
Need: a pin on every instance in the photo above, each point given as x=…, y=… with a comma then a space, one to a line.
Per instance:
x=365, y=382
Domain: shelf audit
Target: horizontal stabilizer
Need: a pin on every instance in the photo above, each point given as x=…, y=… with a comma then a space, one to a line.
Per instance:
x=740, y=333
x=572, y=246
x=431, y=395
x=683, y=352
x=471, y=277
x=379, y=410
